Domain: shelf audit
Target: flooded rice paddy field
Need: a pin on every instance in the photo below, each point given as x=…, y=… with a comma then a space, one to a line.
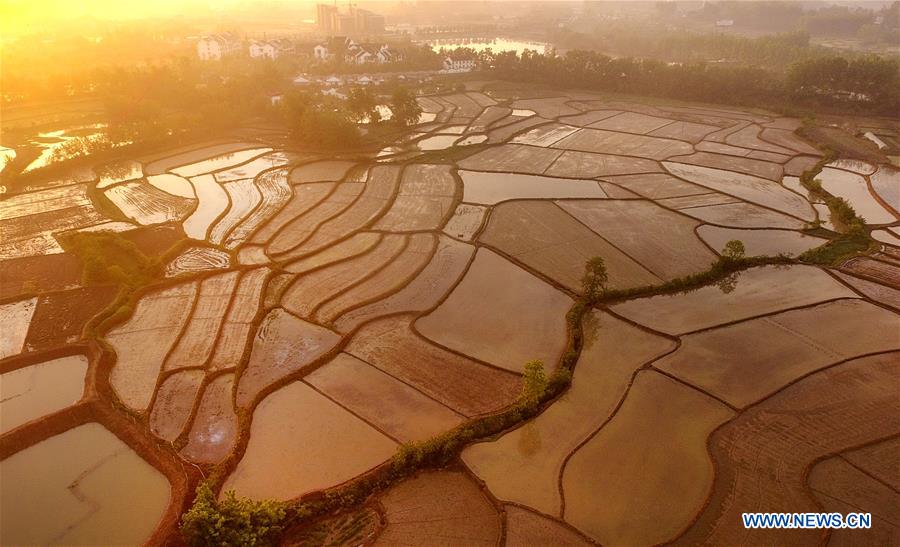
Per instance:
x=319, y=312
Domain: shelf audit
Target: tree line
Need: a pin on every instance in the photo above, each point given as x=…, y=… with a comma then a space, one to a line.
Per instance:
x=865, y=85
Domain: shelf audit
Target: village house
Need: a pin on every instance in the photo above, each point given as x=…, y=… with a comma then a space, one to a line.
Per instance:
x=354, y=52
x=216, y=46
x=270, y=49
x=459, y=62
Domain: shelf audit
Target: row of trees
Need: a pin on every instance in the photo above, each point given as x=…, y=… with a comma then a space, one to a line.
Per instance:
x=661, y=42
x=864, y=85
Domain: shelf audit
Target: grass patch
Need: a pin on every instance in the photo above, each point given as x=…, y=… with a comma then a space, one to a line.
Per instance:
x=108, y=258
x=839, y=249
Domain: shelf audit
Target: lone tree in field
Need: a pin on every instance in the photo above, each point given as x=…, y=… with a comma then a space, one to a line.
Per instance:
x=405, y=107
x=594, y=281
x=534, y=381
x=733, y=250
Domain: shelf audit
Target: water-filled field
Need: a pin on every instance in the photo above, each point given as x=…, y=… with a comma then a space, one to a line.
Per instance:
x=308, y=315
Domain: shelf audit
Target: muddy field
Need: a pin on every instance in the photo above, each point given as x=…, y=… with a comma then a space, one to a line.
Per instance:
x=311, y=314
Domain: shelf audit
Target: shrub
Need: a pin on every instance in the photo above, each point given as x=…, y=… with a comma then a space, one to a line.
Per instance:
x=232, y=520
x=594, y=281
x=534, y=381
x=107, y=257
x=733, y=250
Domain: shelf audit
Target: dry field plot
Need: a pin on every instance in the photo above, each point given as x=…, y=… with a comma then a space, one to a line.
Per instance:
x=442, y=508
x=465, y=222
x=525, y=528
x=60, y=317
x=752, y=189
x=662, y=241
x=730, y=362
x=398, y=410
x=430, y=285
x=744, y=215
x=424, y=199
x=876, y=270
x=656, y=186
x=545, y=237
x=586, y=165
x=609, y=142
x=762, y=456
x=840, y=487
x=336, y=309
x=747, y=166
x=878, y=292
x=755, y=292
x=460, y=383
x=511, y=158
x=309, y=291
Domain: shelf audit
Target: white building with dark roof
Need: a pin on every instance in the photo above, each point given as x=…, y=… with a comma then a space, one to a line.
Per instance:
x=216, y=46
x=270, y=49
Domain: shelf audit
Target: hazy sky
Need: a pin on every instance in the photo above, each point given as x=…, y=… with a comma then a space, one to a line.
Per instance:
x=25, y=16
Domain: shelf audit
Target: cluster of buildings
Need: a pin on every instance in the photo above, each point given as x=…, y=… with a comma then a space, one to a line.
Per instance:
x=270, y=49
x=355, y=53
x=216, y=46
x=354, y=21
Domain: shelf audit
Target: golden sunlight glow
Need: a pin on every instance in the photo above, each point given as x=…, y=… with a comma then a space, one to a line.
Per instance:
x=28, y=16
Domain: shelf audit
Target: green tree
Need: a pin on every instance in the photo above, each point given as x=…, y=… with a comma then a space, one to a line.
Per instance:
x=362, y=104
x=231, y=521
x=733, y=250
x=325, y=128
x=405, y=107
x=534, y=381
x=593, y=283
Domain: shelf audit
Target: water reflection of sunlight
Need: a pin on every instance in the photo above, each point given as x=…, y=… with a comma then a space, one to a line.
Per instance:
x=497, y=45
x=50, y=141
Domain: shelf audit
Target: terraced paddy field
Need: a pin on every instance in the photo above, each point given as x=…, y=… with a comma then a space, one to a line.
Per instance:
x=297, y=320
